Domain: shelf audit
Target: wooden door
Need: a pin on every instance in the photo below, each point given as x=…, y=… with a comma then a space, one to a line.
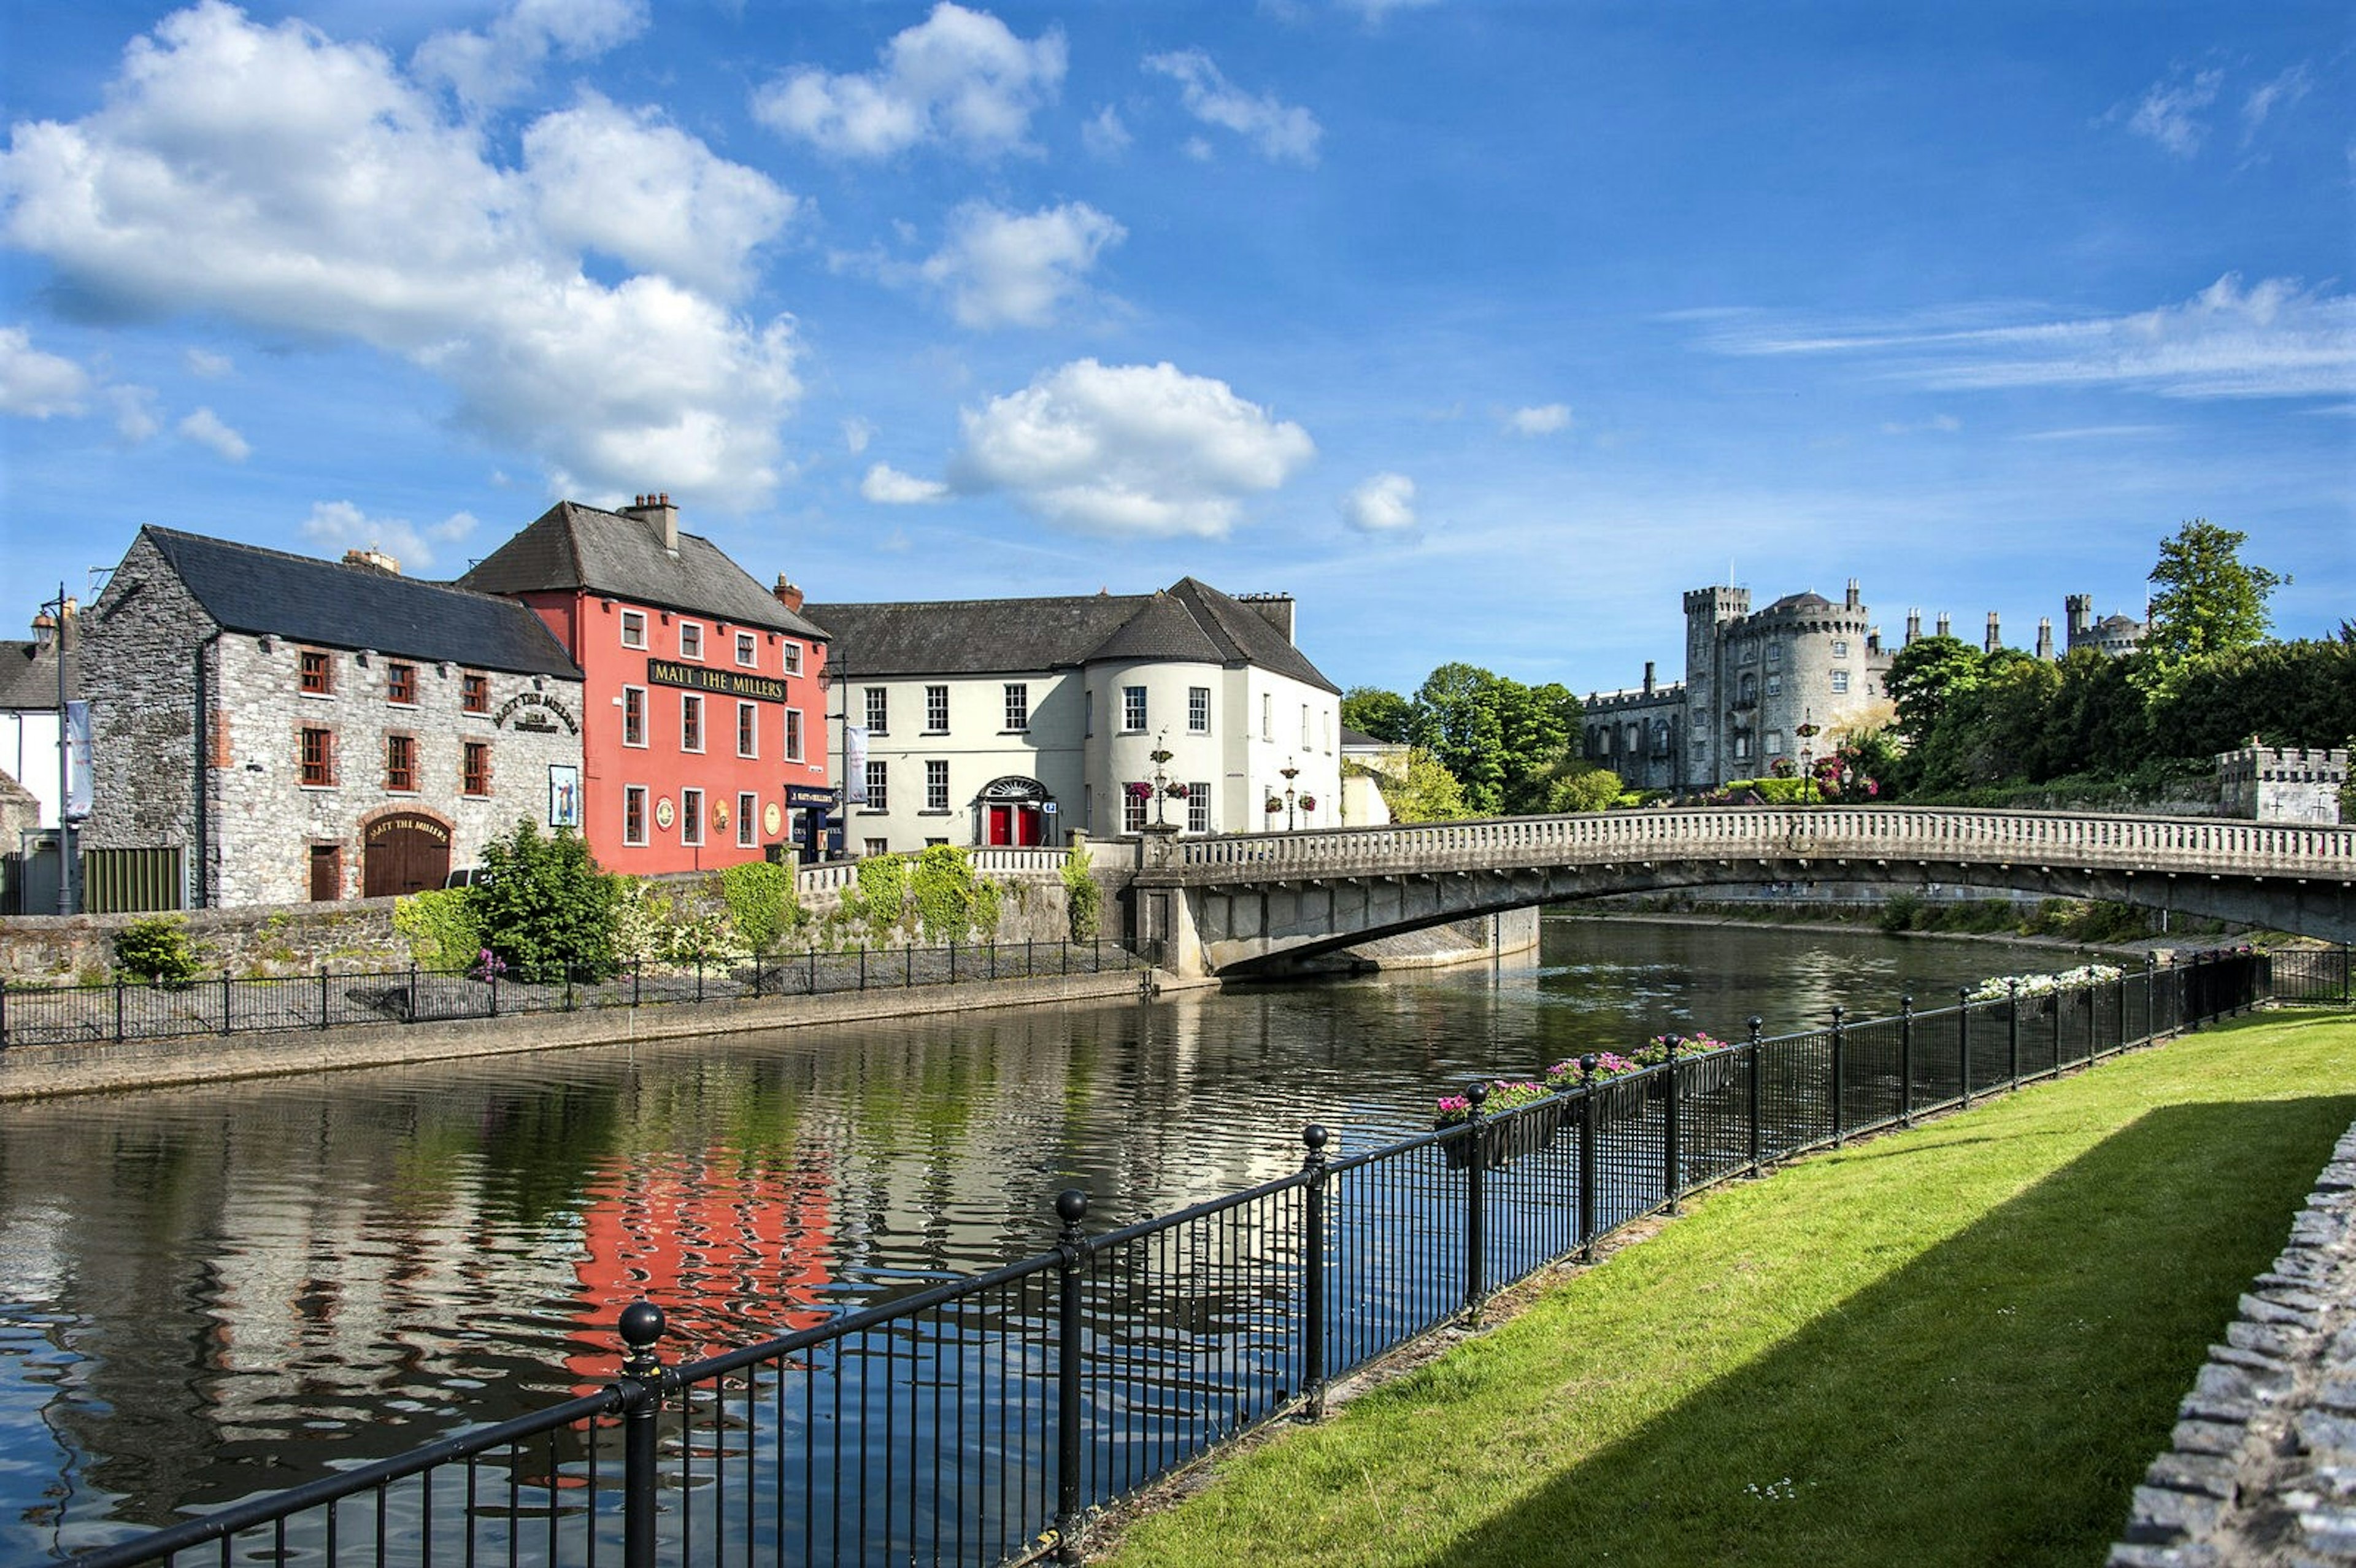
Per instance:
x=406, y=853
x=327, y=873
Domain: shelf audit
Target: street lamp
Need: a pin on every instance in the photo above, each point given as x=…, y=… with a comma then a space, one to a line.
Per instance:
x=1161, y=755
x=1290, y=772
x=1807, y=732
x=58, y=608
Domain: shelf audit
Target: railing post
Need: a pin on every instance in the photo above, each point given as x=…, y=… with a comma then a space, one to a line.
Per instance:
x=118, y=1009
x=642, y=1324
x=1758, y=1130
x=1071, y=1207
x=952, y=960
x=2150, y=997
x=1587, y=1157
x=1840, y=1081
x=2012, y=1032
x=568, y=985
x=494, y=978
x=2343, y=974
x=1963, y=1039
x=323, y=995
x=862, y=966
x=3, y=1012
x=225, y=1002
x=698, y=974
x=1906, y=1061
x=1313, y=1247
x=1476, y=1201
x=1673, y=1164
x=813, y=971
x=638, y=970
x=908, y=967
x=413, y=991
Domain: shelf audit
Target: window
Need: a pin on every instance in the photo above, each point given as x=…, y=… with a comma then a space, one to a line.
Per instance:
x=401, y=763
x=1088, y=712
x=1018, y=705
x=634, y=813
x=1750, y=653
x=1774, y=686
x=475, y=768
x=633, y=636
x=690, y=722
x=319, y=757
x=879, y=792
x=879, y=710
x=748, y=650
x=1748, y=691
x=1267, y=717
x=475, y=692
x=634, y=716
x=748, y=728
x=1132, y=807
x=748, y=806
x=1775, y=742
x=937, y=710
x=690, y=816
x=793, y=734
x=877, y=846
x=1742, y=748
x=1198, y=709
x=1775, y=653
x=1840, y=648
x=400, y=684
x=1304, y=726
x=691, y=640
x=937, y=786
x=1132, y=709
x=318, y=672
x=793, y=657
x=1198, y=807
x=1841, y=680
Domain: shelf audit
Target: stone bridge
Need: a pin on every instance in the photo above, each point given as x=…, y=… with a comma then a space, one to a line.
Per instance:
x=1231, y=905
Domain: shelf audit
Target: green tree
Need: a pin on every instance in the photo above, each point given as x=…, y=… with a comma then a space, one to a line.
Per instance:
x=2207, y=600
x=1428, y=793
x=1584, y=789
x=1502, y=741
x=544, y=905
x=1384, y=715
x=1924, y=676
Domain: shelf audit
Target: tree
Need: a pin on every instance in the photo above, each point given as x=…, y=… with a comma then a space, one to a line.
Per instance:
x=2208, y=602
x=1427, y=793
x=544, y=906
x=1505, y=742
x=1384, y=715
x=1924, y=676
x=1584, y=789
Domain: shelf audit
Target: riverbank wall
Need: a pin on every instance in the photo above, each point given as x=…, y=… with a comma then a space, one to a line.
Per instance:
x=38, y=1072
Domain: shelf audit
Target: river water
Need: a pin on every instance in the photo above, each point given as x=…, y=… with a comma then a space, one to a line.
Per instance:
x=204, y=1291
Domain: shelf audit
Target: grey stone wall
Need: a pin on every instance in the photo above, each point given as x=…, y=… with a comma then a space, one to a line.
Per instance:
x=297, y=939
x=2282, y=784
x=144, y=673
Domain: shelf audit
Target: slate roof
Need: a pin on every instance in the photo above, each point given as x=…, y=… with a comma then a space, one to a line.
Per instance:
x=572, y=547
x=303, y=599
x=28, y=677
x=1188, y=620
x=1799, y=602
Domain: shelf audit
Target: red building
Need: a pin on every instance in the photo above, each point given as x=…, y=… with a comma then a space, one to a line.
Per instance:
x=703, y=738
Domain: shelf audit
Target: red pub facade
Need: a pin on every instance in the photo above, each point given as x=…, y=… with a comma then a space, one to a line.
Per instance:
x=703, y=738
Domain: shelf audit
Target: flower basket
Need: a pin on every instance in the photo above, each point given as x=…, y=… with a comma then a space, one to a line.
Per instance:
x=1503, y=1139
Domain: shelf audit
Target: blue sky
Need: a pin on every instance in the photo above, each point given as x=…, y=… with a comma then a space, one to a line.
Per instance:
x=1484, y=330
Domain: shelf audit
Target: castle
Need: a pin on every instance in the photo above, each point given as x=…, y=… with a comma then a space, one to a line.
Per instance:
x=1777, y=686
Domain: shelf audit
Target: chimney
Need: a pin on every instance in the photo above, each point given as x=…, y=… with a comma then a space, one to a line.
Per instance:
x=658, y=513
x=787, y=594
x=1913, y=627
x=2045, y=638
x=1648, y=677
x=372, y=559
x=1853, y=602
x=1995, y=638
x=1946, y=626
x=1873, y=639
x=1275, y=609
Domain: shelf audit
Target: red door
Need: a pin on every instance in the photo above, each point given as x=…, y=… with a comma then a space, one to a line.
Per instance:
x=1026, y=826
x=1001, y=825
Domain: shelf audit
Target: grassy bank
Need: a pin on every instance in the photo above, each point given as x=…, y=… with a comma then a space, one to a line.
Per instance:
x=1957, y=1345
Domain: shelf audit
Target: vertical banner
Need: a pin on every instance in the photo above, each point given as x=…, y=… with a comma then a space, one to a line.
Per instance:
x=564, y=795
x=854, y=764
x=78, y=759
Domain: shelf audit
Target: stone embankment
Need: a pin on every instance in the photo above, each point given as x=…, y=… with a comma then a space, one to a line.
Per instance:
x=2263, y=1470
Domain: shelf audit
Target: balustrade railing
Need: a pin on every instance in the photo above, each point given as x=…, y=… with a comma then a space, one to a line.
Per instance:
x=984, y=1420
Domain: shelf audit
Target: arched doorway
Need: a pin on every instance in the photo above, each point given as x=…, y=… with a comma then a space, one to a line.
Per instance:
x=403, y=852
x=1014, y=812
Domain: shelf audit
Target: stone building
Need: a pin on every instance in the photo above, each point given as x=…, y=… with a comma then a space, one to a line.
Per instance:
x=1019, y=720
x=2114, y=634
x=2282, y=784
x=299, y=729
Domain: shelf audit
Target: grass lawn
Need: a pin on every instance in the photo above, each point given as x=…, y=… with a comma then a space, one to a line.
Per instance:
x=1961, y=1344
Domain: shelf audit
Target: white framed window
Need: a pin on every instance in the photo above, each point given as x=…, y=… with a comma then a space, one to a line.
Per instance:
x=1841, y=680
x=879, y=710
x=1132, y=809
x=690, y=816
x=634, y=716
x=1742, y=748
x=691, y=640
x=1775, y=742
x=1266, y=716
x=937, y=710
x=937, y=785
x=1840, y=647
x=876, y=846
x=879, y=787
x=1198, y=808
x=1775, y=653
x=748, y=728
x=1132, y=709
x=748, y=806
x=1304, y=726
x=690, y=721
x=793, y=734
x=634, y=628
x=1018, y=705
x=634, y=813
x=1774, y=686
x=1198, y=709
x=748, y=650
x=793, y=657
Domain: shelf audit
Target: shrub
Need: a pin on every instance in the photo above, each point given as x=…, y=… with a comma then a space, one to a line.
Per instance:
x=1083, y=898
x=157, y=950
x=881, y=900
x=545, y=907
x=444, y=928
x=951, y=902
x=760, y=904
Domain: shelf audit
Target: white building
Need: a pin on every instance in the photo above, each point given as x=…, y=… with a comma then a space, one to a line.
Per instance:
x=1022, y=720
x=29, y=708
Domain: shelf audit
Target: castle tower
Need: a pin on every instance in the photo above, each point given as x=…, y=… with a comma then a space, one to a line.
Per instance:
x=2080, y=609
x=2045, y=638
x=1994, y=638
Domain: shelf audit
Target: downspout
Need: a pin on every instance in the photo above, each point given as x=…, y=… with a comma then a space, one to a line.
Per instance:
x=200, y=880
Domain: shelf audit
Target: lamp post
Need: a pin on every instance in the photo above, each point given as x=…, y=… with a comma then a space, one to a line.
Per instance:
x=57, y=607
x=1807, y=734
x=1290, y=772
x=1161, y=755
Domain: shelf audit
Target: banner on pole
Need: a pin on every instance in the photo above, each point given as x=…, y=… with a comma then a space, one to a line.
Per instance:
x=77, y=760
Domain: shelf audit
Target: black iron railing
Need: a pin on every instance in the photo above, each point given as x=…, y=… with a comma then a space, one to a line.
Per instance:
x=2312, y=974
x=126, y=1010
x=982, y=1420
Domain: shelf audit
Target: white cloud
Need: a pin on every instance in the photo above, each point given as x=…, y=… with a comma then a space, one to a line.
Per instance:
x=1546, y=419
x=339, y=526
x=650, y=196
x=2282, y=93
x=36, y=384
x=1128, y=450
x=1375, y=12
x=1003, y=269
x=856, y=433
x=275, y=176
x=2273, y=339
x=1382, y=505
x=2167, y=112
x=1937, y=424
x=487, y=70
x=1281, y=132
x=958, y=77
x=1104, y=135
x=208, y=366
x=205, y=429
x=136, y=417
x=886, y=485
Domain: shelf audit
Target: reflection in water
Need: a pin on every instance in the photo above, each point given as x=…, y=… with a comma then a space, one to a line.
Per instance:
x=207, y=1292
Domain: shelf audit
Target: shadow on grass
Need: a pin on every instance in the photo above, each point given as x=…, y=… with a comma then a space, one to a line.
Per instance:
x=1994, y=1401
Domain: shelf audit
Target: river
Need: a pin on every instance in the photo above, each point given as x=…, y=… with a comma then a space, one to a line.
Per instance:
x=209, y=1291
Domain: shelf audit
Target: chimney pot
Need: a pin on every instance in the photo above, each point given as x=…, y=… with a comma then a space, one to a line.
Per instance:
x=787, y=594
